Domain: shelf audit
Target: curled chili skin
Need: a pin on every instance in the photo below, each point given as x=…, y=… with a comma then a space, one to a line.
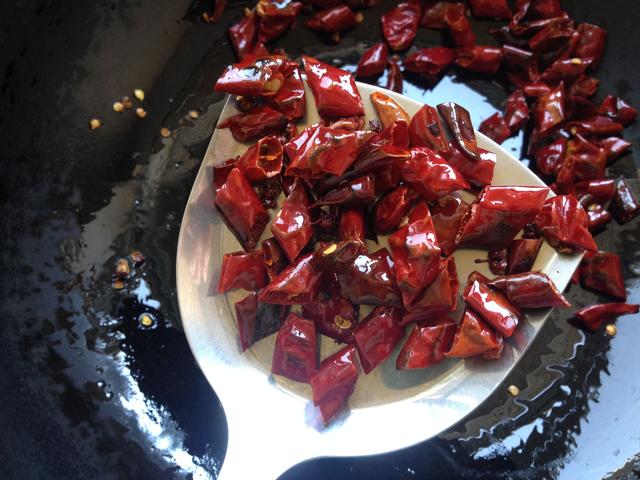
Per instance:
x=351, y=225
x=474, y=337
x=262, y=160
x=549, y=158
x=549, y=110
x=388, y=110
x=459, y=124
x=373, y=61
x=255, y=123
x=530, y=290
x=242, y=209
x=334, y=89
x=426, y=345
x=292, y=226
x=479, y=58
x=333, y=20
x=257, y=320
x=447, y=214
x=594, y=316
x=297, y=283
x=361, y=190
x=394, y=77
x=602, y=271
x=516, y=112
x=624, y=204
x=563, y=222
x=399, y=25
x=377, y=336
x=392, y=207
x=495, y=128
x=430, y=175
x=274, y=258
x=242, y=270
x=255, y=75
x=336, y=318
x=430, y=62
x=334, y=382
x=295, y=354
x=426, y=130
x=491, y=9
x=477, y=172
x=618, y=110
x=498, y=214
x=521, y=255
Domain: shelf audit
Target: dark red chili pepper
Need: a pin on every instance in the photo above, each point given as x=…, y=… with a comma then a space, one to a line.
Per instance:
x=516, y=111
x=597, y=217
x=521, y=255
x=507, y=39
x=624, y=204
x=325, y=3
x=399, y=25
x=438, y=298
x=262, y=160
x=550, y=157
x=430, y=175
x=334, y=89
x=258, y=76
x=580, y=108
x=255, y=123
x=387, y=177
x=474, y=337
x=386, y=150
x=334, y=20
x=498, y=214
x=563, y=222
x=292, y=226
x=495, y=128
x=295, y=355
x=276, y=17
x=593, y=316
x=244, y=35
x=351, y=124
x=373, y=61
x=242, y=270
x=589, y=161
x=553, y=36
x=584, y=86
x=221, y=172
x=336, y=318
x=447, y=214
x=549, y=110
x=433, y=16
x=426, y=345
x=602, y=271
x=290, y=99
x=459, y=27
x=536, y=89
x=430, y=62
x=497, y=260
x=392, y=207
x=394, y=77
x=602, y=190
x=591, y=45
x=458, y=121
x=334, y=382
x=257, y=320
x=477, y=172
x=545, y=9
x=370, y=280
x=351, y=223
x=388, y=110
x=377, y=336
x=336, y=257
x=494, y=9
x=426, y=130
x=242, y=209
x=478, y=58
x=599, y=125
x=274, y=258
x=359, y=190
x=362, y=3
x=530, y=290
x=618, y=110
x=614, y=146
x=563, y=69
x=298, y=283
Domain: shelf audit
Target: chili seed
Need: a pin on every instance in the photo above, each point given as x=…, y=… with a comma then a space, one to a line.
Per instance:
x=118, y=284
x=94, y=123
x=576, y=61
x=193, y=114
x=146, y=320
x=165, y=132
x=118, y=107
x=611, y=330
x=126, y=103
x=137, y=257
x=342, y=323
x=513, y=390
x=330, y=249
x=139, y=94
x=122, y=268
x=141, y=112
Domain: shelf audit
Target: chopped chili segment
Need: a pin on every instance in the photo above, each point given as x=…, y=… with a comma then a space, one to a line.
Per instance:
x=478, y=58
x=474, y=337
x=530, y=290
x=447, y=214
x=262, y=160
x=458, y=122
x=255, y=123
x=618, y=110
x=426, y=130
x=388, y=109
x=373, y=61
x=257, y=320
x=242, y=270
x=430, y=175
x=292, y=226
x=399, y=25
x=522, y=254
x=334, y=20
x=258, y=76
x=297, y=283
x=593, y=316
x=496, y=9
x=430, y=62
x=392, y=207
x=516, y=111
x=295, y=355
x=602, y=271
x=394, y=77
x=336, y=318
x=426, y=345
x=495, y=128
x=377, y=336
x=624, y=204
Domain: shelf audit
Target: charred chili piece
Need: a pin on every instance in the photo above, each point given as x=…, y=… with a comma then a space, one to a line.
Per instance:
x=618, y=110
x=370, y=280
x=478, y=58
x=427, y=344
x=334, y=20
x=373, y=61
x=438, y=298
x=377, y=336
x=257, y=320
x=262, y=160
x=242, y=270
x=474, y=337
x=257, y=76
x=334, y=382
x=274, y=258
x=247, y=217
x=351, y=224
x=336, y=318
x=426, y=130
x=255, y=123
x=430, y=175
x=447, y=213
x=399, y=25
x=388, y=110
x=394, y=77
x=297, y=283
x=292, y=226
x=276, y=18
x=495, y=128
x=459, y=27
x=430, y=62
x=521, y=255
x=360, y=190
x=477, y=172
x=392, y=207
x=530, y=290
x=549, y=111
x=602, y=271
x=460, y=127
x=624, y=204
x=593, y=316
x=295, y=354
x=550, y=157
x=516, y=112
x=491, y=9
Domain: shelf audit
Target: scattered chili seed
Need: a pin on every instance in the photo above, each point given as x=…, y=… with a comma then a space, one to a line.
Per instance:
x=330, y=249
x=137, y=257
x=139, y=94
x=193, y=114
x=118, y=284
x=94, y=123
x=165, y=132
x=513, y=390
x=611, y=330
x=122, y=268
x=126, y=102
x=146, y=320
x=576, y=61
x=118, y=107
x=141, y=112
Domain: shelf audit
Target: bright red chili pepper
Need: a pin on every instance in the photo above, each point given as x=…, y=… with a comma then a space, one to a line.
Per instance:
x=427, y=344
x=550, y=157
x=377, y=336
x=498, y=214
x=386, y=150
x=624, y=204
x=392, y=207
x=244, y=35
x=594, y=316
x=477, y=172
x=447, y=213
x=334, y=89
x=292, y=226
x=521, y=255
x=336, y=318
x=242, y=270
x=255, y=123
x=290, y=99
x=474, y=337
x=563, y=222
x=591, y=45
x=459, y=124
x=360, y=190
x=297, y=283
x=274, y=258
x=584, y=86
x=351, y=124
x=262, y=160
x=399, y=25
x=257, y=320
x=459, y=27
x=373, y=61
x=351, y=223
x=258, y=76
x=276, y=17
x=494, y=9
x=388, y=110
x=295, y=354
x=602, y=190
x=433, y=16
x=589, y=160
x=394, y=77
x=334, y=382
x=426, y=130
x=602, y=271
x=438, y=298
x=221, y=172
x=334, y=20
x=242, y=209
x=495, y=128
x=549, y=111
x=370, y=280
x=614, y=146
x=430, y=175
x=429, y=62
x=478, y=58
x=530, y=290
x=516, y=111
x=618, y=110
x=599, y=125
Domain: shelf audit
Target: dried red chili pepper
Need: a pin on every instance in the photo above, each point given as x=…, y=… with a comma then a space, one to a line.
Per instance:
x=602, y=271
x=392, y=207
x=594, y=316
x=438, y=298
x=262, y=160
x=458, y=122
x=459, y=27
x=591, y=45
x=334, y=89
x=516, y=111
x=399, y=25
x=545, y=9
x=498, y=214
x=336, y=257
x=497, y=260
x=549, y=111
x=550, y=157
x=602, y=190
x=478, y=58
x=255, y=123
x=351, y=223
x=242, y=270
x=597, y=217
x=257, y=320
x=274, y=258
x=430, y=62
x=495, y=9
x=521, y=255
x=336, y=318
x=474, y=337
x=334, y=20
x=297, y=283
x=563, y=222
x=426, y=130
x=290, y=99
x=530, y=290
x=258, y=76
x=359, y=190
x=447, y=214
x=244, y=35
x=589, y=161
x=373, y=61
x=295, y=354
x=388, y=109
x=536, y=89
x=618, y=110
x=553, y=36
x=477, y=172
x=394, y=77
x=430, y=175
x=433, y=16
x=495, y=128
x=334, y=382
x=325, y=3
x=370, y=280
x=614, y=146
x=221, y=172
x=426, y=345
x=276, y=17
x=584, y=86
x=599, y=125
x=377, y=336
x=624, y=204
x=566, y=69
x=292, y=226
x=246, y=217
